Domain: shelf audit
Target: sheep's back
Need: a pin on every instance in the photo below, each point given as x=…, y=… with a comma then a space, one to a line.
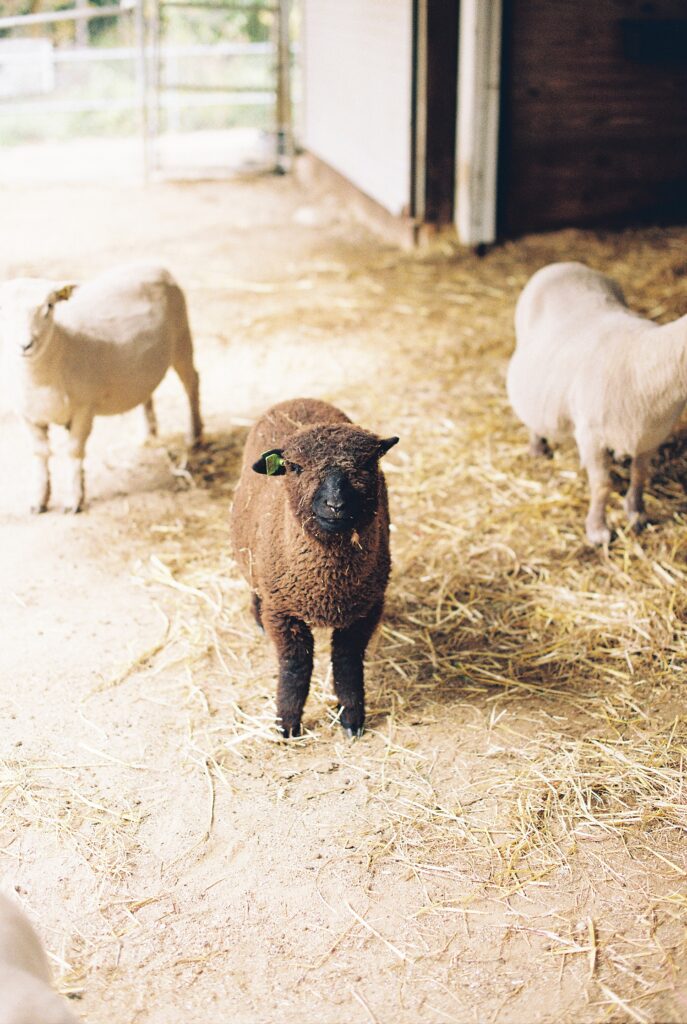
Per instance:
x=561, y=304
x=569, y=321
x=119, y=335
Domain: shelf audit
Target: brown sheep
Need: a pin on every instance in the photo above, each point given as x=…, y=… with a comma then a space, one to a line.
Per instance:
x=314, y=546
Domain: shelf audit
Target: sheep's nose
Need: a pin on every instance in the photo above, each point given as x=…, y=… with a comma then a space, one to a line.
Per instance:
x=335, y=503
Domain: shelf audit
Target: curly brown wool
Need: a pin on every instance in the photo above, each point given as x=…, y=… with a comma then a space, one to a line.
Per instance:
x=310, y=532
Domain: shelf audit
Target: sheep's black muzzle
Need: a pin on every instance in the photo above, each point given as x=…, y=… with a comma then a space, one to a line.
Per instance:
x=336, y=505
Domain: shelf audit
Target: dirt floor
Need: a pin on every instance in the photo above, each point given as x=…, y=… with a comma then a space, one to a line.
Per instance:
x=507, y=841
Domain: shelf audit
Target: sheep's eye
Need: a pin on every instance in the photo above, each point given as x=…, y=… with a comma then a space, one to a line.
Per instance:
x=295, y=468
x=49, y=308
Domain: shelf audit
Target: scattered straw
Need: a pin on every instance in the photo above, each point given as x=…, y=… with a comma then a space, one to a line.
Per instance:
x=522, y=777
x=373, y=931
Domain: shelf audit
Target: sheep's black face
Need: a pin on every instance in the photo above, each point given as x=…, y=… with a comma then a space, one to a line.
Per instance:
x=337, y=504
x=332, y=478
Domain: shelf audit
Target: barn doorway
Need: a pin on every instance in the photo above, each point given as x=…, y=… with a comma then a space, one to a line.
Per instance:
x=593, y=113
x=434, y=103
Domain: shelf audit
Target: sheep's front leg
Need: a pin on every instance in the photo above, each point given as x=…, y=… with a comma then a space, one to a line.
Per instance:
x=79, y=431
x=597, y=462
x=295, y=647
x=256, y=608
x=348, y=653
x=634, y=499
x=40, y=490
x=149, y=420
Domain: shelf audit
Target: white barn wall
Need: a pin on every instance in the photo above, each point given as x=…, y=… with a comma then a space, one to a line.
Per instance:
x=357, y=93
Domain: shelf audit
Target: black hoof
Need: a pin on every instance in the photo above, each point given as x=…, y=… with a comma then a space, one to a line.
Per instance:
x=638, y=523
x=292, y=732
x=37, y=510
x=539, y=448
x=352, y=721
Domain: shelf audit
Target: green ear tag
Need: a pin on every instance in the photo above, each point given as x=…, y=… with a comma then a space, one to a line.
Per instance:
x=273, y=464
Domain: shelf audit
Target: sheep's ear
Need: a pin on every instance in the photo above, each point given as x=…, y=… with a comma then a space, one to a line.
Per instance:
x=64, y=292
x=384, y=446
x=270, y=463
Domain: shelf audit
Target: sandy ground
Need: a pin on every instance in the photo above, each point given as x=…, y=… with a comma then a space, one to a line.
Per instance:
x=182, y=864
x=177, y=155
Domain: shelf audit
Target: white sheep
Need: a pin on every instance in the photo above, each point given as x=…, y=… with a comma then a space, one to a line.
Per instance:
x=586, y=366
x=25, y=993
x=97, y=349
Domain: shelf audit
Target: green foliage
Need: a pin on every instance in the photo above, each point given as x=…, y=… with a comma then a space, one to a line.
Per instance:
x=100, y=28
x=213, y=26
x=253, y=24
x=113, y=82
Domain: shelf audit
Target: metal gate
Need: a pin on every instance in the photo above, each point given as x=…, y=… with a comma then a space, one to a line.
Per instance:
x=191, y=84
x=181, y=88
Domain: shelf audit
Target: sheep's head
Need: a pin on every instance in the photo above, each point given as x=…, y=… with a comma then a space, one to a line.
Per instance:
x=331, y=475
x=27, y=314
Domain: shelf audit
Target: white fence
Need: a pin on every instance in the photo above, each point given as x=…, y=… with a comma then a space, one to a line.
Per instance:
x=59, y=93
x=32, y=69
x=27, y=67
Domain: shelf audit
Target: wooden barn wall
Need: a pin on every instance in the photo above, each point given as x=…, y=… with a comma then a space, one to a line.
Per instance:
x=357, y=93
x=594, y=115
x=442, y=76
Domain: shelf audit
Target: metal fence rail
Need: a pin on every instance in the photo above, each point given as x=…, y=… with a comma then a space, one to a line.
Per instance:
x=194, y=95
x=176, y=50
x=159, y=81
x=78, y=14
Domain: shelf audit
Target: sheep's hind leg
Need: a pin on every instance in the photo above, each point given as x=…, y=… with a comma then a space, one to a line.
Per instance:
x=295, y=647
x=188, y=375
x=634, y=499
x=79, y=431
x=597, y=462
x=539, y=446
x=348, y=653
x=40, y=492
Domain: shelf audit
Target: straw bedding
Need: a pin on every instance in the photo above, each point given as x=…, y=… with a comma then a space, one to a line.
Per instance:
x=515, y=815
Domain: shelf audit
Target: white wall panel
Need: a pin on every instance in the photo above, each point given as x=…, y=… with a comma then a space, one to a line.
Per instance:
x=357, y=93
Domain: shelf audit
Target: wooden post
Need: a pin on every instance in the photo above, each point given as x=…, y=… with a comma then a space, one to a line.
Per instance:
x=142, y=78
x=283, y=112
x=81, y=27
x=479, y=84
x=419, y=162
